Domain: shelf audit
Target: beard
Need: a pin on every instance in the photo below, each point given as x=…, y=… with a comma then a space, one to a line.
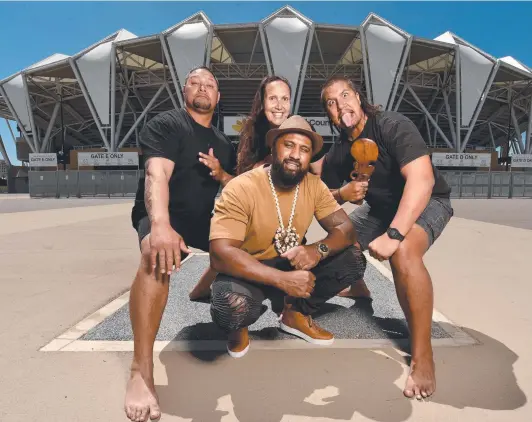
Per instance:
x=201, y=103
x=286, y=178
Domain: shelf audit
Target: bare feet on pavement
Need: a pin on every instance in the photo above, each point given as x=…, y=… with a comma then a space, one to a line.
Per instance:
x=141, y=402
x=421, y=382
x=357, y=290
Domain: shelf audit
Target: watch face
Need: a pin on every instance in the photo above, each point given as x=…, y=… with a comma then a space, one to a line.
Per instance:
x=323, y=248
x=394, y=234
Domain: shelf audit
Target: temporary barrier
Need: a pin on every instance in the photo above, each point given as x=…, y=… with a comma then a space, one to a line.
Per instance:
x=67, y=183
x=522, y=185
x=475, y=184
x=43, y=184
x=501, y=184
x=494, y=184
x=84, y=183
x=123, y=183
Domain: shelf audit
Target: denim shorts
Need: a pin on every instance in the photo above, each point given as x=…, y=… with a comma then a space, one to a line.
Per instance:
x=433, y=220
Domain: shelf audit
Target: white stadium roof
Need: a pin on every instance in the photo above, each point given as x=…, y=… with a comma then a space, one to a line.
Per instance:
x=104, y=94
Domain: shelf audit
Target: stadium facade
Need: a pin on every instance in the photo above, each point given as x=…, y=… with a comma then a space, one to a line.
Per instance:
x=460, y=97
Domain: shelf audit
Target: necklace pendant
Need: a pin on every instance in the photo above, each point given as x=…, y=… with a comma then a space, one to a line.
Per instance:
x=285, y=239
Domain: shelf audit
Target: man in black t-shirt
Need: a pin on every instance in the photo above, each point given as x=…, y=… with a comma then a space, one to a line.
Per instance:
x=406, y=208
x=187, y=160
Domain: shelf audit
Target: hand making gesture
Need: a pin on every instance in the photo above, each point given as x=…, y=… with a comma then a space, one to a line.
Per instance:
x=212, y=162
x=217, y=171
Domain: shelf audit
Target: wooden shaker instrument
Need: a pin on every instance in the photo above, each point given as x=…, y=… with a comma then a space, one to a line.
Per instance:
x=365, y=152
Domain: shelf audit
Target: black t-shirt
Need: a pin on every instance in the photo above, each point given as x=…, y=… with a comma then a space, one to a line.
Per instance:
x=399, y=143
x=175, y=135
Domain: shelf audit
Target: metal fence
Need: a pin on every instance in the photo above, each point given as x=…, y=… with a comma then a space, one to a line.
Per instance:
x=117, y=183
x=83, y=183
x=494, y=184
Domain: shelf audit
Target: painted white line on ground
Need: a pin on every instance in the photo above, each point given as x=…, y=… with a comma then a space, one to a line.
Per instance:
x=93, y=320
x=88, y=323
x=459, y=336
x=220, y=345
x=55, y=345
x=69, y=340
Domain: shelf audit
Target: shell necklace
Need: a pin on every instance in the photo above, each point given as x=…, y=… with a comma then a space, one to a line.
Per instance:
x=285, y=238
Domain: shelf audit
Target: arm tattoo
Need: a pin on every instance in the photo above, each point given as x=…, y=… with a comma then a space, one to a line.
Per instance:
x=148, y=193
x=156, y=193
x=338, y=222
x=337, y=218
x=333, y=220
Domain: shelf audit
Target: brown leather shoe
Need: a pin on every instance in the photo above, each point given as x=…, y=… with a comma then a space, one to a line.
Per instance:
x=238, y=343
x=303, y=326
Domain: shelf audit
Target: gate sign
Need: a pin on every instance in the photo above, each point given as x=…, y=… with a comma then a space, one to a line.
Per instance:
x=108, y=159
x=43, y=159
x=522, y=160
x=445, y=159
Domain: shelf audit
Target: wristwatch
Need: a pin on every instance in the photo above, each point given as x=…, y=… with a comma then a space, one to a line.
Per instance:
x=323, y=250
x=395, y=234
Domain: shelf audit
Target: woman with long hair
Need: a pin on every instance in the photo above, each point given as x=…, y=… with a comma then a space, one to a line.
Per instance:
x=270, y=108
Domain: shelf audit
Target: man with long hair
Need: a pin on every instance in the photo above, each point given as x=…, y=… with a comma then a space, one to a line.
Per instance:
x=172, y=211
x=406, y=208
x=258, y=224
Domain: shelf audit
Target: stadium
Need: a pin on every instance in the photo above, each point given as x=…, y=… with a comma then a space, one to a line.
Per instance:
x=75, y=312
x=462, y=99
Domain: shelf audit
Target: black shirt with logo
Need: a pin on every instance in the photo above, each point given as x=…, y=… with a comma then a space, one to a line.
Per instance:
x=399, y=143
x=175, y=135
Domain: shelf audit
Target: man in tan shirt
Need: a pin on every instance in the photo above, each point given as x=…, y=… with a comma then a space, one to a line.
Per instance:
x=258, y=224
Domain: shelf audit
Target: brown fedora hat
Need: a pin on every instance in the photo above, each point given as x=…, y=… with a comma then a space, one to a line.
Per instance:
x=296, y=124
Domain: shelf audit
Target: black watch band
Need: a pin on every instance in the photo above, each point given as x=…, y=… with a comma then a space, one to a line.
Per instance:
x=395, y=234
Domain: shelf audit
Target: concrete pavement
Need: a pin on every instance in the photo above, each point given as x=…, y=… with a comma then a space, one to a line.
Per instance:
x=58, y=266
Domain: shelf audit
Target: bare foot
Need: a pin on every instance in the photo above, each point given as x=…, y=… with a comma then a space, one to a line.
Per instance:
x=357, y=290
x=421, y=382
x=141, y=400
x=198, y=293
x=202, y=289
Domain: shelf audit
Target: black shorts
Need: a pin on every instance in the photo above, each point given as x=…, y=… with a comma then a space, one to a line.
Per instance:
x=195, y=233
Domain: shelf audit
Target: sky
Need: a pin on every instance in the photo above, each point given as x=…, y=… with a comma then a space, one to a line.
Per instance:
x=31, y=31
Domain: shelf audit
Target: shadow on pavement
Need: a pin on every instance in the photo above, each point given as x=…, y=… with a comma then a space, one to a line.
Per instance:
x=337, y=384
x=266, y=385
x=480, y=376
